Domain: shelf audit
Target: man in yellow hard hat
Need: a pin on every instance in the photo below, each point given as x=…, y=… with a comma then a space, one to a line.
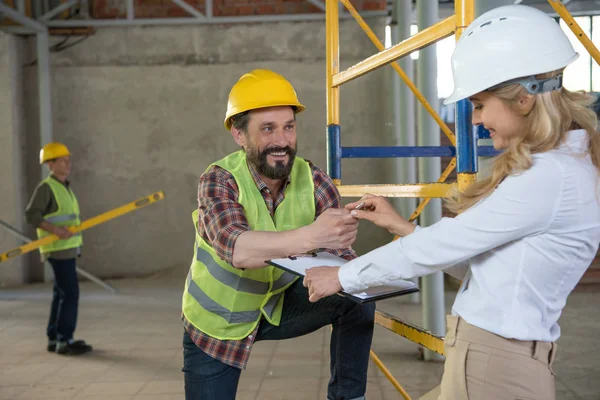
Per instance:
x=51, y=210
x=260, y=203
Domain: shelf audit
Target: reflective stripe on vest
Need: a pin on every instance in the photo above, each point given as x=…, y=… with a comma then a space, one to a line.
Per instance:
x=60, y=218
x=237, y=282
x=229, y=316
x=212, y=306
x=285, y=279
x=228, y=278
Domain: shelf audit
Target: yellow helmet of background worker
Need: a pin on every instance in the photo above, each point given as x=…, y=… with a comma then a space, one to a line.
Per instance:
x=52, y=151
x=258, y=89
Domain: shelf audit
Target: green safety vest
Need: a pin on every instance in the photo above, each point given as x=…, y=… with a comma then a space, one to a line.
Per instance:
x=226, y=302
x=67, y=214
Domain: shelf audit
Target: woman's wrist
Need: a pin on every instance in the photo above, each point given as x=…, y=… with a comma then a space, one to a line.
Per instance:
x=404, y=228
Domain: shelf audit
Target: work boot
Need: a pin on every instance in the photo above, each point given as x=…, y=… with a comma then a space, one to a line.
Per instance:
x=74, y=347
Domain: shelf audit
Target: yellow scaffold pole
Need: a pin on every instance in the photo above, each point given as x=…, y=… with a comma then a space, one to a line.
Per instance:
x=562, y=11
x=89, y=223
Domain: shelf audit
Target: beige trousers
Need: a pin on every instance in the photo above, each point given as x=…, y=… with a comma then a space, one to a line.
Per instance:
x=483, y=366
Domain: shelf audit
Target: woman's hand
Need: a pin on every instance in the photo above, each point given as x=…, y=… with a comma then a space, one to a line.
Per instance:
x=322, y=282
x=379, y=211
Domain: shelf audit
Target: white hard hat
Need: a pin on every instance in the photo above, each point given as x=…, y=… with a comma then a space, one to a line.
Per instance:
x=505, y=44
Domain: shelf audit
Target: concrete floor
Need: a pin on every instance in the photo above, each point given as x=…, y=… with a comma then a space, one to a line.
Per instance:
x=136, y=335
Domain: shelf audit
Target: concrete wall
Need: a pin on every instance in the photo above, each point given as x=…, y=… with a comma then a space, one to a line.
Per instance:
x=142, y=110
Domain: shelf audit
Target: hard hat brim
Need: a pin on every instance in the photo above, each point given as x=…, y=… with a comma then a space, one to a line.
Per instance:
x=299, y=108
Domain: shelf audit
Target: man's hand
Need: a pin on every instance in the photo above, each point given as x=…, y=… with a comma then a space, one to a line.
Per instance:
x=379, y=211
x=334, y=229
x=62, y=233
x=59, y=231
x=322, y=282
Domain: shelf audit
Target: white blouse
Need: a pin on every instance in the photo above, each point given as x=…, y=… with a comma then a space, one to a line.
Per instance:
x=519, y=252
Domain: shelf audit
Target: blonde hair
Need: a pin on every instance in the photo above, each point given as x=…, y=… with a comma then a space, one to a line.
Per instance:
x=552, y=116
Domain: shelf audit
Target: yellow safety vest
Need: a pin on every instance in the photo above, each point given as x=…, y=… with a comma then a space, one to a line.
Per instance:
x=225, y=302
x=67, y=214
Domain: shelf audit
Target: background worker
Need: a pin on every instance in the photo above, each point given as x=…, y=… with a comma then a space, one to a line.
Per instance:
x=525, y=235
x=52, y=208
x=260, y=203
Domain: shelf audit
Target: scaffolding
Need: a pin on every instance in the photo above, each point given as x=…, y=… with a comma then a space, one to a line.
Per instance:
x=464, y=150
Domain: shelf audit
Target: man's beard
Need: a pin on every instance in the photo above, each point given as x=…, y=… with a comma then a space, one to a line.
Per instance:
x=280, y=170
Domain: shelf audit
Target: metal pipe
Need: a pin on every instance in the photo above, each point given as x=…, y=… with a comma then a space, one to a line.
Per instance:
x=15, y=232
x=21, y=18
x=54, y=12
x=45, y=105
x=86, y=274
x=318, y=3
x=130, y=10
x=37, y=9
x=16, y=59
x=468, y=163
x=189, y=9
x=95, y=280
x=407, y=81
x=591, y=58
x=423, y=204
x=432, y=286
x=389, y=376
x=576, y=29
x=208, y=5
x=21, y=6
x=403, y=113
x=465, y=13
x=334, y=166
x=84, y=9
x=99, y=23
x=466, y=139
x=17, y=29
x=434, y=190
x=409, y=331
x=424, y=38
x=403, y=108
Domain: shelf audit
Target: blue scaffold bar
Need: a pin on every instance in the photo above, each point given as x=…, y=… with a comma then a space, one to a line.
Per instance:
x=334, y=152
x=410, y=151
x=466, y=139
x=481, y=132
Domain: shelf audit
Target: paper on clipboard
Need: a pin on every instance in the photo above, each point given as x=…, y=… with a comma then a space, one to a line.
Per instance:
x=299, y=265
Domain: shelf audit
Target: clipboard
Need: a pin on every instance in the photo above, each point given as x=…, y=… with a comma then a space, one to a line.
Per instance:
x=298, y=264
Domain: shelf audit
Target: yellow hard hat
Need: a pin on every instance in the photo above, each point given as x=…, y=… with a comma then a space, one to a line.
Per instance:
x=52, y=151
x=258, y=89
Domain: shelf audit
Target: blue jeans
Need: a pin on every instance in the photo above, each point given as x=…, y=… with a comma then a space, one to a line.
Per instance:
x=209, y=379
x=65, y=300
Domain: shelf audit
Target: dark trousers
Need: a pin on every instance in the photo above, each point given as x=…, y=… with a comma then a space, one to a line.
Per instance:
x=209, y=379
x=65, y=300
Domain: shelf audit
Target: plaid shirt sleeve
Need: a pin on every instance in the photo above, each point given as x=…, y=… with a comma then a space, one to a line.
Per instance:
x=221, y=218
x=327, y=196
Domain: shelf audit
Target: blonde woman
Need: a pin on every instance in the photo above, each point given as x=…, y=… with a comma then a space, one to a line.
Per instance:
x=524, y=236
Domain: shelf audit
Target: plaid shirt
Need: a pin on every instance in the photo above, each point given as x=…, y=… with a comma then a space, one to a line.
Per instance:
x=221, y=221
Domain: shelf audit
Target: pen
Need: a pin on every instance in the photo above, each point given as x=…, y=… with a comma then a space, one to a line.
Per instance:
x=360, y=206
